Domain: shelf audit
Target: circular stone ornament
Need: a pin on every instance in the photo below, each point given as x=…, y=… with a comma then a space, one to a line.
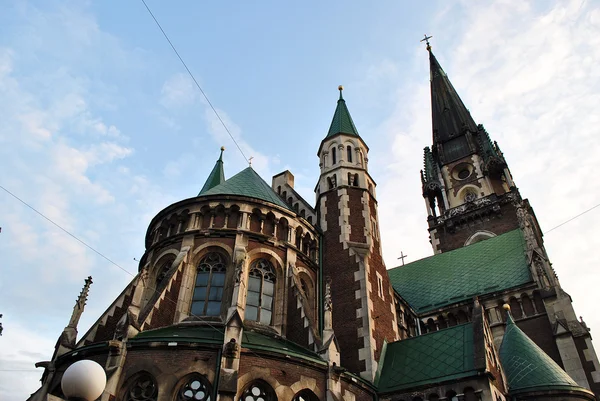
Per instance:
x=83, y=380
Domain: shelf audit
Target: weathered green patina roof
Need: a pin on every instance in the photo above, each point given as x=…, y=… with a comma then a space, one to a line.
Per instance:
x=214, y=335
x=492, y=265
x=430, y=358
x=280, y=345
x=342, y=122
x=527, y=367
x=196, y=334
x=247, y=183
x=216, y=176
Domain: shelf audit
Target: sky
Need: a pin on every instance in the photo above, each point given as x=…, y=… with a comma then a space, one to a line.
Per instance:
x=101, y=127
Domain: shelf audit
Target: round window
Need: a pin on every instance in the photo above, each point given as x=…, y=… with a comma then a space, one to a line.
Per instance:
x=464, y=173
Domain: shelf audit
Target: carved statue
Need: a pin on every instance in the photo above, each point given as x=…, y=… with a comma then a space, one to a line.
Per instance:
x=231, y=349
x=239, y=257
x=328, y=302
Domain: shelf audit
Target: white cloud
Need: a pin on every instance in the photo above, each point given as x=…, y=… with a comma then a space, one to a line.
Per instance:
x=178, y=91
x=530, y=77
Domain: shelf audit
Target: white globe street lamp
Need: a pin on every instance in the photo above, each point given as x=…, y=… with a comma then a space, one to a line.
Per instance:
x=84, y=380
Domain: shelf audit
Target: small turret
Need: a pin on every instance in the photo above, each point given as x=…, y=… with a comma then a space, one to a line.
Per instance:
x=216, y=176
x=531, y=373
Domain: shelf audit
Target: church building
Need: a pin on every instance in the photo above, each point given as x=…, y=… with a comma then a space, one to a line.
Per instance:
x=248, y=292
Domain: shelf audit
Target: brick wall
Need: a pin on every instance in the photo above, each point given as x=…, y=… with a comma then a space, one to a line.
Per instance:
x=340, y=267
x=165, y=313
x=383, y=314
x=106, y=332
x=498, y=223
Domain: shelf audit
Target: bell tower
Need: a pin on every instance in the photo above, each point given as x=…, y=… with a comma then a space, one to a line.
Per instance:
x=468, y=189
x=363, y=300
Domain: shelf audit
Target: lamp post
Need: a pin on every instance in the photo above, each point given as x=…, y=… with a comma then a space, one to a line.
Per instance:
x=83, y=381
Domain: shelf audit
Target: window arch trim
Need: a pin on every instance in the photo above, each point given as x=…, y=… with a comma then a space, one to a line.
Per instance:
x=209, y=286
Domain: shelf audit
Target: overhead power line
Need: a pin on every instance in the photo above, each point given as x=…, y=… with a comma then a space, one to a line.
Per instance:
x=194, y=79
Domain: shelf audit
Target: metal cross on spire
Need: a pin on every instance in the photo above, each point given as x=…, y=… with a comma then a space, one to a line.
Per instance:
x=402, y=256
x=426, y=40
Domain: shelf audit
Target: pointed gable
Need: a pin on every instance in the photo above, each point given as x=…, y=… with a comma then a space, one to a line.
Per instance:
x=248, y=183
x=342, y=121
x=216, y=176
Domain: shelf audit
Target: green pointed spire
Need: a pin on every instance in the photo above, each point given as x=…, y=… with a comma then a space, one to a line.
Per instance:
x=527, y=366
x=342, y=122
x=216, y=176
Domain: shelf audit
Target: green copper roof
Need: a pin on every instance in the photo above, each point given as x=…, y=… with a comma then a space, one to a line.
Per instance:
x=492, y=265
x=257, y=341
x=213, y=335
x=196, y=334
x=431, y=358
x=216, y=176
x=342, y=122
x=527, y=367
x=247, y=183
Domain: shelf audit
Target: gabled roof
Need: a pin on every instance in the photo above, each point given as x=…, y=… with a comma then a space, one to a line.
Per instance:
x=492, y=265
x=247, y=183
x=342, y=122
x=527, y=366
x=430, y=358
x=216, y=176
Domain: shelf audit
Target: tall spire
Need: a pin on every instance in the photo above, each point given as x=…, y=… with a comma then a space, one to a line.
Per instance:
x=450, y=117
x=216, y=176
x=342, y=122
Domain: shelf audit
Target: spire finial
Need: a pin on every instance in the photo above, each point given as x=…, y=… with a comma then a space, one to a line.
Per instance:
x=341, y=88
x=222, y=150
x=426, y=40
x=80, y=303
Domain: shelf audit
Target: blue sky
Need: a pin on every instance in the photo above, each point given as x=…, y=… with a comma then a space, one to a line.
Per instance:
x=102, y=127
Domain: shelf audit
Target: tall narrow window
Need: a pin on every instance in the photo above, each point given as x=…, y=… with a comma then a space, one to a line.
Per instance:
x=349, y=153
x=261, y=290
x=210, y=281
x=333, y=158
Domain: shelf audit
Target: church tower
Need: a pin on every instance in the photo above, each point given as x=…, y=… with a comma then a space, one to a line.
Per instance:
x=467, y=186
x=363, y=300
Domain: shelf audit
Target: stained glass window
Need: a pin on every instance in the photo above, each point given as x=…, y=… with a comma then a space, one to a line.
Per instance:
x=196, y=388
x=210, y=282
x=261, y=290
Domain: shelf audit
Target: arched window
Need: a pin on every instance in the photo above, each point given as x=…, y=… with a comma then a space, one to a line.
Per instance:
x=258, y=391
x=162, y=271
x=210, y=281
x=349, y=153
x=333, y=156
x=305, y=395
x=142, y=388
x=261, y=290
x=355, y=182
x=195, y=388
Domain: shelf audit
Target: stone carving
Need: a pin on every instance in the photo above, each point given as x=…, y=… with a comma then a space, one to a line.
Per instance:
x=231, y=349
x=328, y=303
x=239, y=258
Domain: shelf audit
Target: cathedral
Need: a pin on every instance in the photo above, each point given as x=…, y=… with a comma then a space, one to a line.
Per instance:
x=248, y=292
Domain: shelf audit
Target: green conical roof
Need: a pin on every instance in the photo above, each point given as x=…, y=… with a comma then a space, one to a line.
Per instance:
x=247, y=183
x=342, y=122
x=216, y=176
x=527, y=366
